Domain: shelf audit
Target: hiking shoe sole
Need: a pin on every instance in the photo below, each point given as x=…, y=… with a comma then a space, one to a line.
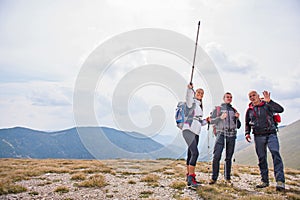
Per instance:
x=280, y=189
x=192, y=187
x=263, y=185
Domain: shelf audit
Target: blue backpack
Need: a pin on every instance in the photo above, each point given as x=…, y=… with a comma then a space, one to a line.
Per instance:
x=184, y=114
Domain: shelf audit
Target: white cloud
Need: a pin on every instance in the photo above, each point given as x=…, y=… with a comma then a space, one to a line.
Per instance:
x=240, y=64
x=255, y=45
x=37, y=104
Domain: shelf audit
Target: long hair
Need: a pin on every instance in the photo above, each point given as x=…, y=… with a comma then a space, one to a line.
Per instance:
x=201, y=105
x=201, y=102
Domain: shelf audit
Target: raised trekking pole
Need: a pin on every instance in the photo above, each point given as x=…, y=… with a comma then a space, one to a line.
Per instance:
x=195, y=52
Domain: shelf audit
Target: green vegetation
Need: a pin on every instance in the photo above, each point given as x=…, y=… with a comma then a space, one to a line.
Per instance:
x=143, y=173
x=61, y=189
x=145, y=194
x=94, y=181
x=178, y=185
x=78, y=176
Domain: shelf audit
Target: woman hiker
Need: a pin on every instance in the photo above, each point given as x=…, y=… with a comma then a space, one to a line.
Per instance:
x=191, y=130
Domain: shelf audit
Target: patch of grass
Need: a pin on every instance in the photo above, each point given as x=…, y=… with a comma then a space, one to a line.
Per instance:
x=254, y=173
x=11, y=188
x=56, y=170
x=62, y=189
x=291, y=171
x=165, y=159
x=109, y=196
x=160, y=170
x=245, y=169
x=94, y=181
x=293, y=196
x=220, y=191
x=178, y=185
x=106, y=170
x=261, y=197
x=169, y=172
x=44, y=183
x=126, y=173
x=131, y=182
x=79, y=176
x=153, y=184
x=33, y=193
x=294, y=183
x=209, y=192
x=150, y=178
x=145, y=194
x=91, y=170
x=268, y=190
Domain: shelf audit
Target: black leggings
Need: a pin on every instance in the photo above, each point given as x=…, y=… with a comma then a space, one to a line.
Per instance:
x=192, y=141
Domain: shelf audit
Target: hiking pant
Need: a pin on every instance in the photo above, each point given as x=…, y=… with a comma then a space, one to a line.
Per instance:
x=261, y=144
x=192, y=141
x=229, y=143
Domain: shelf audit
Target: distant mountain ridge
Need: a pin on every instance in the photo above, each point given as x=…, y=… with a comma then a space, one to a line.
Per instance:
x=75, y=143
x=109, y=143
x=22, y=142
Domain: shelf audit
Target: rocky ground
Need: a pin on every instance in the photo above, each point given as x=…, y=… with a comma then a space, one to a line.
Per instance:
x=156, y=179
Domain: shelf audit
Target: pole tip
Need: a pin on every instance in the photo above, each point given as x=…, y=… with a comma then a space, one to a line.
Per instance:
x=199, y=23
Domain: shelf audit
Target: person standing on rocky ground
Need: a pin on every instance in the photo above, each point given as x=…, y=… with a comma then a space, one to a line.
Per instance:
x=259, y=119
x=191, y=130
x=225, y=120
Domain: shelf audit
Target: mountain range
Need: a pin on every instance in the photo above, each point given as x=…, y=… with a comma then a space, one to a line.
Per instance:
x=81, y=143
x=109, y=143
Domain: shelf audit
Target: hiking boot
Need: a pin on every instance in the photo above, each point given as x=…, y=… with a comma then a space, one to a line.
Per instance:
x=280, y=186
x=262, y=185
x=191, y=181
x=212, y=181
x=195, y=178
x=228, y=181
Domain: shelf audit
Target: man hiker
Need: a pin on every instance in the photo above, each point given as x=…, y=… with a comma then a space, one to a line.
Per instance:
x=225, y=120
x=259, y=120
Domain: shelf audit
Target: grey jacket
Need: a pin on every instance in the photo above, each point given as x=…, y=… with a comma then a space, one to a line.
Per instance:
x=230, y=124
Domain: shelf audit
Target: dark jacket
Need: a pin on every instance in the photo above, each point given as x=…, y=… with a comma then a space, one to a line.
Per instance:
x=230, y=124
x=260, y=118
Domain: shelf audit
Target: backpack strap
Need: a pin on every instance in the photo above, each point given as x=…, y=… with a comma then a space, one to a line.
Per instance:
x=234, y=110
x=218, y=108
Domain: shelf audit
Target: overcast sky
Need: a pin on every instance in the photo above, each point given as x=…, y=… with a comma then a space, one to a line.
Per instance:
x=43, y=45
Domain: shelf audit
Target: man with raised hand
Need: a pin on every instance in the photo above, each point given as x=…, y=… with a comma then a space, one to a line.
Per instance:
x=259, y=119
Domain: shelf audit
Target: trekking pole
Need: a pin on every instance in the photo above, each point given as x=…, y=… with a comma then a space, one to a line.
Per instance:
x=234, y=148
x=208, y=145
x=196, y=44
x=225, y=145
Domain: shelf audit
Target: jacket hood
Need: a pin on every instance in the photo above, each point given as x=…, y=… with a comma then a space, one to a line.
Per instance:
x=226, y=104
x=198, y=101
x=262, y=103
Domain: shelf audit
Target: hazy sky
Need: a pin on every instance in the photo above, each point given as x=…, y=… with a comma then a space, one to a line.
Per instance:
x=43, y=44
